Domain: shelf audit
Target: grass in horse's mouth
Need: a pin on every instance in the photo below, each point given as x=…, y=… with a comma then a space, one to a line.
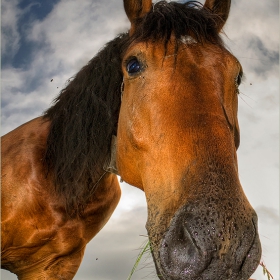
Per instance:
x=145, y=249
x=265, y=271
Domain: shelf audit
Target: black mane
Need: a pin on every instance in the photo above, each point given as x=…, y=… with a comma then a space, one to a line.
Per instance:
x=83, y=119
x=85, y=114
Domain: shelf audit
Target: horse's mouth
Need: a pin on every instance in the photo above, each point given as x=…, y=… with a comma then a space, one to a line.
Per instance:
x=183, y=256
x=214, y=271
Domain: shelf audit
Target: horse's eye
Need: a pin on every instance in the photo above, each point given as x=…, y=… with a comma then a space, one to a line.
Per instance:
x=133, y=66
x=238, y=80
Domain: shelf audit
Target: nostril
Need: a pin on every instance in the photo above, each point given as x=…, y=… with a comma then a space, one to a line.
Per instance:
x=180, y=256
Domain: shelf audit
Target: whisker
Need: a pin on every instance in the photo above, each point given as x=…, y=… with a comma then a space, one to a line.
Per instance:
x=248, y=96
x=244, y=100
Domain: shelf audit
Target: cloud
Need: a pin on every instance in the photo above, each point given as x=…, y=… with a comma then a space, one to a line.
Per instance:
x=10, y=37
x=268, y=214
x=64, y=41
x=112, y=253
x=84, y=26
x=267, y=61
x=253, y=36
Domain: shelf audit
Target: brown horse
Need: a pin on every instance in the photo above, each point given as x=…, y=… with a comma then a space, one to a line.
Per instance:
x=168, y=90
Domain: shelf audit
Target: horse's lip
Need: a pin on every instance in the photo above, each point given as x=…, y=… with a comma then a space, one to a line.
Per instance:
x=254, y=252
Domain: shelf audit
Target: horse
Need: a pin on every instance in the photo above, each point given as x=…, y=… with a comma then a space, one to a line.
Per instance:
x=158, y=106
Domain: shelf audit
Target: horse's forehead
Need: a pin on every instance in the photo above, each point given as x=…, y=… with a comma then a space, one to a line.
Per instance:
x=186, y=53
x=185, y=46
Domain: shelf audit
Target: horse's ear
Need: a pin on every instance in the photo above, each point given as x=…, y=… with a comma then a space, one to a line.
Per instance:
x=220, y=8
x=136, y=9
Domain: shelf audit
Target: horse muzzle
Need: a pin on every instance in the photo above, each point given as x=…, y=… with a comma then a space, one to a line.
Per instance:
x=209, y=246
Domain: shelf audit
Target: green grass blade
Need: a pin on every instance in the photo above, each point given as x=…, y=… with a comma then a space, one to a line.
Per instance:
x=146, y=248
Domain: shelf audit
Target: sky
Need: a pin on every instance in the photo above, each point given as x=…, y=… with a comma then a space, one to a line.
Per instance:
x=45, y=40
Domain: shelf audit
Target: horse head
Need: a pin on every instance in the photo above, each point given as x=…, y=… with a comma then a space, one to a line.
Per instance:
x=177, y=139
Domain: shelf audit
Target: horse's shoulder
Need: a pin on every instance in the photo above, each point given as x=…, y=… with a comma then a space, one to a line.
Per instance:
x=25, y=138
x=22, y=151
